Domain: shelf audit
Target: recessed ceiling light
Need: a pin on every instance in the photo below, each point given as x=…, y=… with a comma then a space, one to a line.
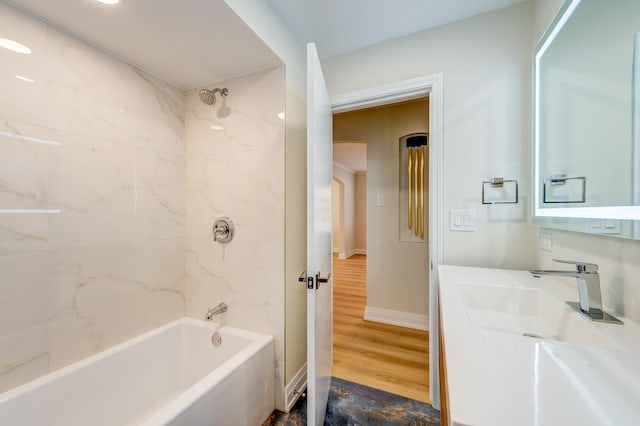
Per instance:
x=14, y=46
x=109, y=1
x=217, y=127
x=281, y=115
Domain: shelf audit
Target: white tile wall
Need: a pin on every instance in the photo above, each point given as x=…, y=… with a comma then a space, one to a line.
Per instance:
x=92, y=197
x=98, y=191
x=238, y=171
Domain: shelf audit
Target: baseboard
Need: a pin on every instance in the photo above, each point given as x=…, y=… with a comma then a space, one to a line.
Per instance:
x=355, y=251
x=295, y=387
x=402, y=319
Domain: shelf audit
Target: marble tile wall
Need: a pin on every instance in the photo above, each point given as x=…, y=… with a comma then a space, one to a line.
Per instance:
x=92, y=191
x=235, y=168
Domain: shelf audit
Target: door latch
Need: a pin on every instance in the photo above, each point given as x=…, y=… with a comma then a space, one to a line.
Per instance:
x=304, y=278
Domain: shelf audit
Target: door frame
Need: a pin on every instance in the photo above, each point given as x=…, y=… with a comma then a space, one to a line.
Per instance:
x=431, y=85
x=339, y=197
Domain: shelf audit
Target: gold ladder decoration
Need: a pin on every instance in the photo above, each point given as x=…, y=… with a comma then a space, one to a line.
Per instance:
x=417, y=145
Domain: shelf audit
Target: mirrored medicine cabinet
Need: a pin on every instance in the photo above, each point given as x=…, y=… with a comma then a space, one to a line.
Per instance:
x=586, y=117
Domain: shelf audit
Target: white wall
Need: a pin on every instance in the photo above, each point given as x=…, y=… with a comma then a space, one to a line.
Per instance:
x=397, y=278
x=486, y=63
x=619, y=260
x=99, y=145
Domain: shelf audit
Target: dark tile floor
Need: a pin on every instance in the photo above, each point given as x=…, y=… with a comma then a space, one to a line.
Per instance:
x=351, y=404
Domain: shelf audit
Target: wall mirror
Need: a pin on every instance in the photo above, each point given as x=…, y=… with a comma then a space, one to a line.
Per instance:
x=587, y=119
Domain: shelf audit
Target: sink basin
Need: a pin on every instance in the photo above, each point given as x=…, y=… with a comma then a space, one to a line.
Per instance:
x=531, y=313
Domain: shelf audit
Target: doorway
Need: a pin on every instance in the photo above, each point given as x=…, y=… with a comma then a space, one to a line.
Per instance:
x=381, y=293
x=430, y=86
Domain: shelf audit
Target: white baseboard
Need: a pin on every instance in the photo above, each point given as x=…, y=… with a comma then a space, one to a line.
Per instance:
x=295, y=387
x=402, y=319
x=355, y=251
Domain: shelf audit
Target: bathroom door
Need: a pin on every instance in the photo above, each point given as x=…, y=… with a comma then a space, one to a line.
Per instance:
x=319, y=286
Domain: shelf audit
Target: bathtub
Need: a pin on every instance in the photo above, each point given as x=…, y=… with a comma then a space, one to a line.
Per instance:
x=171, y=375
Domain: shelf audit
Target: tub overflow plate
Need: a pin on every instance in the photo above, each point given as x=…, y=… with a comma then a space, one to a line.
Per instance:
x=216, y=339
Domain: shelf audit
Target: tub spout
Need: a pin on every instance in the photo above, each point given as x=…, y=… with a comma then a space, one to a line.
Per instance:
x=217, y=310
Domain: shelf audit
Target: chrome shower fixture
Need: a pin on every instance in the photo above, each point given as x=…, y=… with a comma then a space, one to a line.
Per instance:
x=209, y=96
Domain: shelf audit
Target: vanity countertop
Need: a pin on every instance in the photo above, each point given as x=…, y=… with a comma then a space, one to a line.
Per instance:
x=579, y=373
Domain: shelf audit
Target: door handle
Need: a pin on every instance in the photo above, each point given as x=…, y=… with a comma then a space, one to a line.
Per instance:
x=303, y=277
x=322, y=280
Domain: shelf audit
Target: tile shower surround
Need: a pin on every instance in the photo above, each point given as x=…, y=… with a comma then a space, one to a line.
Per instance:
x=235, y=168
x=94, y=195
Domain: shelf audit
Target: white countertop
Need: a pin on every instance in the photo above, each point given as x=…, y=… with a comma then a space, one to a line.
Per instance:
x=502, y=378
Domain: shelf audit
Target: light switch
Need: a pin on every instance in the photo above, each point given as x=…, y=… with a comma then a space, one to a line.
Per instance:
x=463, y=220
x=380, y=200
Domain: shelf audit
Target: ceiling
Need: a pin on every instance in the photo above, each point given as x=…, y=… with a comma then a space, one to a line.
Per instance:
x=186, y=42
x=191, y=43
x=340, y=26
x=351, y=155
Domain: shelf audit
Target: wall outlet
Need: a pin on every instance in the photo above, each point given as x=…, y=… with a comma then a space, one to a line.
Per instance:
x=546, y=241
x=603, y=226
x=380, y=200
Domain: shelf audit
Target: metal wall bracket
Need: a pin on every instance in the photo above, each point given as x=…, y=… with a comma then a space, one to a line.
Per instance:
x=560, y=180
x=499, y=183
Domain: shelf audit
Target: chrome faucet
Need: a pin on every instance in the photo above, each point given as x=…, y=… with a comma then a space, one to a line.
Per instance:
x=217, y=310
x=223, y=230
x=588, y=289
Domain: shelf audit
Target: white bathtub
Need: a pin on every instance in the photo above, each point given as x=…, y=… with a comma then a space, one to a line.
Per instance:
x=171, y=375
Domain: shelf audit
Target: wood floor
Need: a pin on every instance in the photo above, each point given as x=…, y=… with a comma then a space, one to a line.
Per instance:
x=387, y=357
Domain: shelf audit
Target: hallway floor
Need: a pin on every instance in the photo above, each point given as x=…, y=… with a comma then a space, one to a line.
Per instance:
x=390, y=358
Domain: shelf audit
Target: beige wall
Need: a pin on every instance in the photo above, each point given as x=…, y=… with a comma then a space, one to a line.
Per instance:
x=486, y=64
x=347, y=179
x=360, y=212
x=397, y=277
x=543, y=13
x=263, y=20
x=336, y=213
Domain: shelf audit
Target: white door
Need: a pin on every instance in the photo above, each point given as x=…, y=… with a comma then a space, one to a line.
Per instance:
x=319, y=292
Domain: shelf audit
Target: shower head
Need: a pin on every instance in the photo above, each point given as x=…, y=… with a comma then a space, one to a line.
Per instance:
x=209, y=96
